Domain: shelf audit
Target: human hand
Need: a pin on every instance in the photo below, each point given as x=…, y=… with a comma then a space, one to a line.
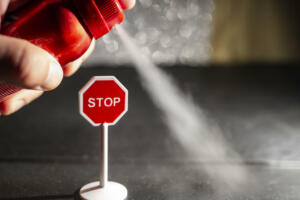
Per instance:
x=19, y=60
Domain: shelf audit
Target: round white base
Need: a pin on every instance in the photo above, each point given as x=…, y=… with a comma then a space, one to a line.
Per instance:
x=112, y=191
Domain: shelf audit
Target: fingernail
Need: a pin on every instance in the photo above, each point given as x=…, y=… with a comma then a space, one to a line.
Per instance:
x=78, y=62
x=55, y=75
x=71, y=68
x=18, y=104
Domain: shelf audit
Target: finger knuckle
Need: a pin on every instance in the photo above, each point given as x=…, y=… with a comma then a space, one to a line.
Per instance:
x=31, y=69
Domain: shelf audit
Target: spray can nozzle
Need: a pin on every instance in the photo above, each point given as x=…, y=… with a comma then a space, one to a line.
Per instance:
x=100, y=16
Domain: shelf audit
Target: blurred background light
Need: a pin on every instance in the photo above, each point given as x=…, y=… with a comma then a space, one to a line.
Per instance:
x=170, y=31
x=193, y=32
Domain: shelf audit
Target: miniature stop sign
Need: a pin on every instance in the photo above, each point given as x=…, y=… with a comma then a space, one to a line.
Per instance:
x=103, y=100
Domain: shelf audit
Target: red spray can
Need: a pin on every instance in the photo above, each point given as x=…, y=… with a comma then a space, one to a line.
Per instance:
x=64, y=28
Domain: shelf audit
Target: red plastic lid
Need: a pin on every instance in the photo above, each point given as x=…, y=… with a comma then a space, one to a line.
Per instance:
x=100, y=16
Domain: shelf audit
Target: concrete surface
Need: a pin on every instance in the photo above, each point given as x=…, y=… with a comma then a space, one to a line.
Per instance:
x=48, y=151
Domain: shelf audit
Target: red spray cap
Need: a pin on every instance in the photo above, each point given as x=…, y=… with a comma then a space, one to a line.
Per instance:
x=100, y=16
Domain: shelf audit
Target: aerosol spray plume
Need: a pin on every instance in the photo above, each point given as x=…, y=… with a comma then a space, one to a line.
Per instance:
x=187, y=122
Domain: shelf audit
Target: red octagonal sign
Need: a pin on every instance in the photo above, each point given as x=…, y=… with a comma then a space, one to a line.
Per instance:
x=103, y=100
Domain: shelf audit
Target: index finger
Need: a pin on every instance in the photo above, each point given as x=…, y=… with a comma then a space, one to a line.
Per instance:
x=3, y=7
x=127, y=4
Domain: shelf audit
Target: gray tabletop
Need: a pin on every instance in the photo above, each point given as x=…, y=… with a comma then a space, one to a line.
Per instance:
x=48, y=151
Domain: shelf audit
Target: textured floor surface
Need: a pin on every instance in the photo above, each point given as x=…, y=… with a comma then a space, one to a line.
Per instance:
x=48, y=151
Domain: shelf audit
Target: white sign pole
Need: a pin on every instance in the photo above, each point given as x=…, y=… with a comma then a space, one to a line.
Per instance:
x=103, y=155
x=103, y=189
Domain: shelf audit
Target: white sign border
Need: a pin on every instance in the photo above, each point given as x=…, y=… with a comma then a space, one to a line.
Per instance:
x=88, y=85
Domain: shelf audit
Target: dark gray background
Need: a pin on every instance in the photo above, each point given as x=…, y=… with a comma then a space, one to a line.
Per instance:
x=48, y=151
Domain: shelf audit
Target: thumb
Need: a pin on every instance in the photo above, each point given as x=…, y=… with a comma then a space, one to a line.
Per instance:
x=27, y=66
